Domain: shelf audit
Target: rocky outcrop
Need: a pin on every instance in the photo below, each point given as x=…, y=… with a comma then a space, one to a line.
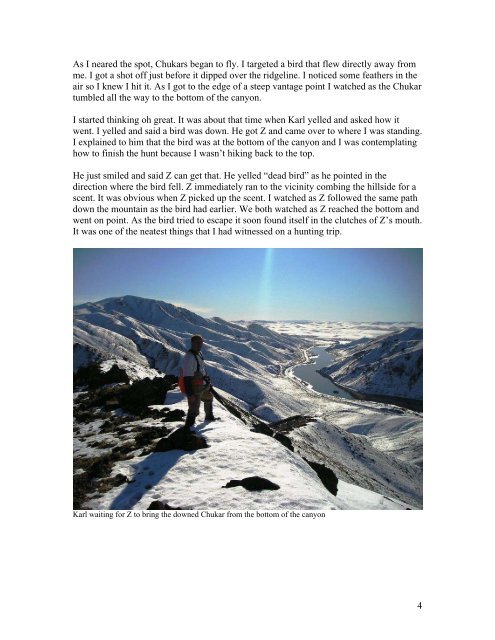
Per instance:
x=182, y=439
x=143, y=393
x=174, y=415
x=146, y=435
x=326, y=475
x=288, y=424
x=93, y=475
x=285, y=440
x=93, y=377
x=253, y=483
x=243, y=415
x=162, y=506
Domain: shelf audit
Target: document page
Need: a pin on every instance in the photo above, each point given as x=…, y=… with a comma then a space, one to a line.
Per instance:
x=244, y=217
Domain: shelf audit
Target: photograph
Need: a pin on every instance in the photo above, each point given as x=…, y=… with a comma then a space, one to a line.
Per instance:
x=225, y=380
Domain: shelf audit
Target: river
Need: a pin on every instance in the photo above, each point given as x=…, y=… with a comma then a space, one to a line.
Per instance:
x=309, y=373
x=320, y=358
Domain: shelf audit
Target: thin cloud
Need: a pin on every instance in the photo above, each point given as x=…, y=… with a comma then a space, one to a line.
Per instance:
x=191, y=307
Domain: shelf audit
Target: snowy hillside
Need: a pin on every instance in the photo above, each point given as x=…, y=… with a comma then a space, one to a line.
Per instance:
x=391, y=365
x=198, y=479
x=155, y=334
x=367, y=444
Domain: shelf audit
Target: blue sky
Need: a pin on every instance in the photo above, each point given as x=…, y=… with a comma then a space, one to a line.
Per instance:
x=264, y=284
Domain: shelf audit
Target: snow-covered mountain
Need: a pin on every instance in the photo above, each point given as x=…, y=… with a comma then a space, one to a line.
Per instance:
x=143, y=334
x=369, y=446
x=114, y=472
x=391, y=365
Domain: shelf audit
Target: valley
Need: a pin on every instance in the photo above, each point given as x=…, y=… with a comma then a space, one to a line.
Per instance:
x=372, y=446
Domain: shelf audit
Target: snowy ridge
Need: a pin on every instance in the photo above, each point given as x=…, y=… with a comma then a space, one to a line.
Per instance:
x=391, y=365
x=155, y=334
x=369, y=444
x=196, y=480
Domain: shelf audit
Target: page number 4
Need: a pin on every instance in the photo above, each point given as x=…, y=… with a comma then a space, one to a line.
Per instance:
x=420, y=606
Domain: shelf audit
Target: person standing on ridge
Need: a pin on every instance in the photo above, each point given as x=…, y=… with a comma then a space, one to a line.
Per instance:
x=195, y=383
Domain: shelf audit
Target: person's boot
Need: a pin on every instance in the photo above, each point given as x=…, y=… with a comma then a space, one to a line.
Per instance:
x=190, y=420
x=209, y=417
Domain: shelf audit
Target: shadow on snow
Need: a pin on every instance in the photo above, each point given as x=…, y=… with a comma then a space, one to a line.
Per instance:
x=149, y=472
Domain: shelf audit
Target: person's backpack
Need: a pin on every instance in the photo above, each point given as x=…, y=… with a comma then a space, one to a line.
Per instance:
x=182, y=384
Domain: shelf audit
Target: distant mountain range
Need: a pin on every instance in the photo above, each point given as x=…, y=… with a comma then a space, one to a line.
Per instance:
x=374, y=446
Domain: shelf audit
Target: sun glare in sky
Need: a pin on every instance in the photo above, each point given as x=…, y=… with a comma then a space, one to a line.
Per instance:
x=265, y=288
x=264, y=284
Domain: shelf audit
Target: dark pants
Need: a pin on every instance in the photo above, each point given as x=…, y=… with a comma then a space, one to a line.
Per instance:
x=203, y=394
